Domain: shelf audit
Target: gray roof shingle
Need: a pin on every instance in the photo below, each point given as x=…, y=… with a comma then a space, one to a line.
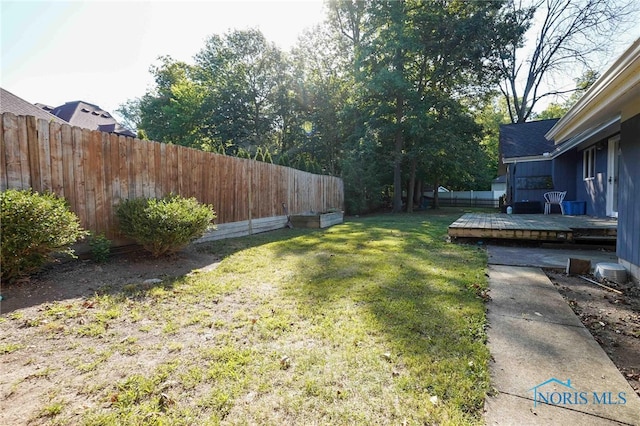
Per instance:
x=18, y=106
x=90, y=116
x=526, y=139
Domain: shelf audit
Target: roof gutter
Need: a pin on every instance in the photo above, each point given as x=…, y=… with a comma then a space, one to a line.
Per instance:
x=583, y=136
x=529, y=158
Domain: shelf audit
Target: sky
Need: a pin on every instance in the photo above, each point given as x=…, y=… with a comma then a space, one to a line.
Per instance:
x=100, y=52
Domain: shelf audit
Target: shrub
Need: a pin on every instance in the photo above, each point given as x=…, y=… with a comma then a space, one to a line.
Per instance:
x=34, y=226
x=164, y=225
x=283, y=160
x=100, y=248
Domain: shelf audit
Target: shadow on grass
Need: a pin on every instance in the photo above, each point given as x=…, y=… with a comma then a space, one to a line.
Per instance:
x=420, y=291
x=83, y=278
x=412, y=295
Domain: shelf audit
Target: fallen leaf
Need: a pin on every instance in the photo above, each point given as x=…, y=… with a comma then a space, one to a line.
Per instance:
x=285, y=362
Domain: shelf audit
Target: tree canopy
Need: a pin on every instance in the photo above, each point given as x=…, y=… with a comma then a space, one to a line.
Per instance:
x=393, y=96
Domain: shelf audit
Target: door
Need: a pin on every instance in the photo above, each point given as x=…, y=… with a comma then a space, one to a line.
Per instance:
x=613, y=160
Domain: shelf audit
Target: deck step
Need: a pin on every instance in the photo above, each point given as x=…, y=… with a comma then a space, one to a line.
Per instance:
x=595, y=235
x=595, y=238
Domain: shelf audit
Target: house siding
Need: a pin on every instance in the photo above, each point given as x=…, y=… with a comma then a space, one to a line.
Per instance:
x=526, y=170
x=594, y=190
x=628, y=245
x=563, y=172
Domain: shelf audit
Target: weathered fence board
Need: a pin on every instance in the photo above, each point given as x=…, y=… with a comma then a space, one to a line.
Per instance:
x=23, y=152
x=67, y=165
x=95, y=171
x=44, y=153
x=32, y=153
x=57, y=173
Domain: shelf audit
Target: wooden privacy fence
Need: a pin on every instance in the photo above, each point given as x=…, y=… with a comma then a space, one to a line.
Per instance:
x=95, y=170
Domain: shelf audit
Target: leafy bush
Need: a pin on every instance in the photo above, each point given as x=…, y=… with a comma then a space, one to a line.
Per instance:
x=364, y=175
x=283, y=160
x=100, y=248
x=164, y=225
x=34, y=226
x=243, y=153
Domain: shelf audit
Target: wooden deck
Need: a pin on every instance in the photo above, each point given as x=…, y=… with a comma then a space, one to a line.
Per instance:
x=537, y=227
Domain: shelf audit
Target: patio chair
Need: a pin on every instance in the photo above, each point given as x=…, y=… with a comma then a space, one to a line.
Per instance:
x=554, y=197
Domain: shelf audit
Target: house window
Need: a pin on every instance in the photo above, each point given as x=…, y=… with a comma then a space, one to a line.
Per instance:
x=589, y=163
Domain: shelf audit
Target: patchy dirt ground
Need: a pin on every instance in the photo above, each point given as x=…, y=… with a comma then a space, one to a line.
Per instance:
x=613, y=319
x=83, y=277
x=47, y=364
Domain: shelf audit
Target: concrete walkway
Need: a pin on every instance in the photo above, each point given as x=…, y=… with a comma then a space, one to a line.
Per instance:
x=542, y=352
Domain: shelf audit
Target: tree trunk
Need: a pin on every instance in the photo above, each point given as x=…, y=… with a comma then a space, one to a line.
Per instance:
x=397, y=157
x=412, y=185
x=398, y=63
x=436, y=203
x=417, y=193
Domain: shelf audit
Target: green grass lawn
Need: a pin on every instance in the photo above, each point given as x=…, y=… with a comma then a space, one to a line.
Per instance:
x=378, y=320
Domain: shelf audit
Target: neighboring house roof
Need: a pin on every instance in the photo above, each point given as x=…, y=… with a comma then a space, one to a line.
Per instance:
x=18, y=106
x=44, y=107
x=524, y=140
x=90, y=116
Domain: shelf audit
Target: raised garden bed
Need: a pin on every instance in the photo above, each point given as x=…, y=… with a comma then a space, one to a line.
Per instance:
x=317, y=220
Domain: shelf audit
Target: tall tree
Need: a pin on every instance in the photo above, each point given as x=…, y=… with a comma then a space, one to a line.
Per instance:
x=376, y=95
x=170, y=112
x=322, y=89
x=461, y=47
x=416, y=57
x=241, y=74
x=561, y=34
x=556, y=109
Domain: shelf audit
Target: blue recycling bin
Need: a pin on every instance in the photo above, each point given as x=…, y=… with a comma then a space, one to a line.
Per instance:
x=574, y=208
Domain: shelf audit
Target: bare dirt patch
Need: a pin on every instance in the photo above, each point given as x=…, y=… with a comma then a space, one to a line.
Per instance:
x=54, y=357
x=613, y=319
x=72, y=279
